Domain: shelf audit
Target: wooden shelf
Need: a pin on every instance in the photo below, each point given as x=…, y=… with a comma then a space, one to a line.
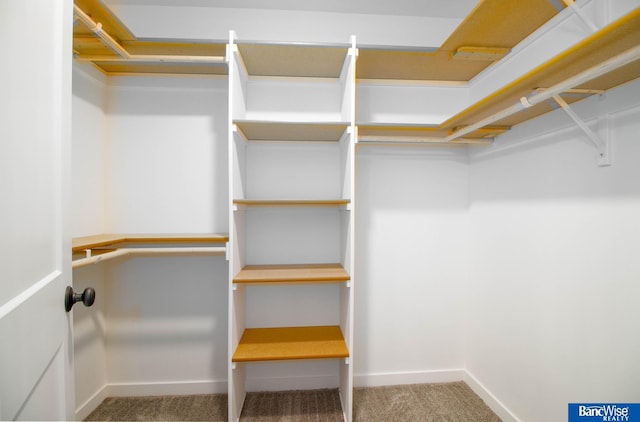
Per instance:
x=422, y=133
x=290, y=343
x=254, y=130
x=491, y=24
x=292, y=202
x=613, y=39
x=79, y=244
x=298, y=273
x=158, y=56
x=318, y=61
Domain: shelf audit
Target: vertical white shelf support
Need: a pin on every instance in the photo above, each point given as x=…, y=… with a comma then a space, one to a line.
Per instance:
x=236, y=106
x=348, y=79
x=268, y=111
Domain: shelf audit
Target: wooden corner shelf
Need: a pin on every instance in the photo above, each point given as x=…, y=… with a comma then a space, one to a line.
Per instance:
x=256, y=130
x=80, y=244
x=296, y=273
x=291, y=343
x=491, y=24
x=616, y=38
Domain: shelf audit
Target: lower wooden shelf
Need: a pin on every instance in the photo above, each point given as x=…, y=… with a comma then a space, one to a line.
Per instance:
x=293, y=273
x=291, y=343
x=292, y=202
x=79, y=244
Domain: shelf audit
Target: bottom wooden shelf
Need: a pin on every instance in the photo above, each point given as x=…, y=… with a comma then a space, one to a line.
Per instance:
x=290, y=343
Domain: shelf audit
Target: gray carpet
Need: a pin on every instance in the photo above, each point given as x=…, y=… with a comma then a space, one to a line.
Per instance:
x=449, y=402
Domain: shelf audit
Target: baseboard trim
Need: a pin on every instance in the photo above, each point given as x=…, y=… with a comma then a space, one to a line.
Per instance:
x=492, y=401
x=414, y=377
x=90, y=405
x=180, y=388
x=271, y=384
x=292, y=383
x=173, y=388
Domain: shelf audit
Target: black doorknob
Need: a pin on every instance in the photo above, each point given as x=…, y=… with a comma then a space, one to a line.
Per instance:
x=88, y=296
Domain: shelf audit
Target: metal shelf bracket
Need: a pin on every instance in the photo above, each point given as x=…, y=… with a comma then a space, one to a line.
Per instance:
x=601, y=141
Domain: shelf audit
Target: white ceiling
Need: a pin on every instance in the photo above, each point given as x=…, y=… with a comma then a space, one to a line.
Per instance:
x=428, y=8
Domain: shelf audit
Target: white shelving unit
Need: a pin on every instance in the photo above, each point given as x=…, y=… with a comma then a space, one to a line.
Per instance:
x=291, y=245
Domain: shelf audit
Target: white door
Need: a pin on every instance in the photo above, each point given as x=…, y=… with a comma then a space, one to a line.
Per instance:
x=35, y=109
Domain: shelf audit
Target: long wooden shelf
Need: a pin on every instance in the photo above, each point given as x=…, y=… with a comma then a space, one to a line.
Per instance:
x=80, y=244
x=291, y=343
x=422, y=133
x=255, y=130
x=292, y=202
x=615, y=38
x=296, y=273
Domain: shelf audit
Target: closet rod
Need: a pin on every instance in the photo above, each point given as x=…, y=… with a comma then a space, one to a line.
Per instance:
x=114, y=45
x=83, y=262
x=154, y=58
x=612, y=64
x=96, y=28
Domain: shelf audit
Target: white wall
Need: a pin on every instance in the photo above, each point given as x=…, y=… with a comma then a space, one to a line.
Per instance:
x=88, y=162
x=211, y=23
x=166, y=325
x=411, y=233
x=392, y=102
x=149, y=155
x=552, y=297
x=167, y=153
x=89, y=136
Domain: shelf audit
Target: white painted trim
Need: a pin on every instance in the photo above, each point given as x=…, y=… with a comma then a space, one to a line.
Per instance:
x=171, y=388
x=438, y=376
x=492, y=401
x=178, y=388
x=91, y=404
x=28, y=293
x=292, y=383
x=413, y=377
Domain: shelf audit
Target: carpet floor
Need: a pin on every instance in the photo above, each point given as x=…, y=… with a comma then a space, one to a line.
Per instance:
x=447, y=402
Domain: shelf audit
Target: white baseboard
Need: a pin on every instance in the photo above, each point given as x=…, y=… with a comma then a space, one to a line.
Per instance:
x=90, y=405
x=274, y=384
x=150, y=389
x=438, y=376
x=494, y=404
x=292, y=383
x=400, y=378
x=175, y=388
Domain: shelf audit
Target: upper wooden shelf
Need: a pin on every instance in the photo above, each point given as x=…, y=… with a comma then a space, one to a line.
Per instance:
x=254, y=130
x=289, y=343
x=158, y=56
x=608, y=42
x=80, y=244
x=293, y=60
x=298, y=273
x=493, y=25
